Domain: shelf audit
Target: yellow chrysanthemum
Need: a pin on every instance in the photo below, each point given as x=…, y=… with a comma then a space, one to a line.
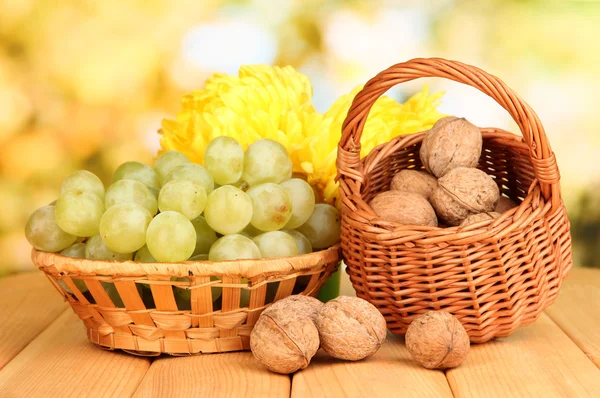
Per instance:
x=275, y=103
x=387, y=119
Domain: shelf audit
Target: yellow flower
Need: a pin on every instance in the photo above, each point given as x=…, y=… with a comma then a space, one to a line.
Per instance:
x=275, y=103
x=387, y=119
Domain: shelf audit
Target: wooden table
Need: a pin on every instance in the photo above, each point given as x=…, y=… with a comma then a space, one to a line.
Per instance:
x=44, y=353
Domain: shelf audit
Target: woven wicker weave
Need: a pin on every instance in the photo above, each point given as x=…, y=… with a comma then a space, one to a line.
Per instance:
x=150, y=320
x=494, y=276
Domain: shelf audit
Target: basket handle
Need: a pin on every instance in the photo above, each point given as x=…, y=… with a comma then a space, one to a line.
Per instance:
x=542, y=157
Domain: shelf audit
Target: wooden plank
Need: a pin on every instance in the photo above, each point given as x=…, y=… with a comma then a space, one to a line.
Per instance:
x=60, y=362
x=537, y=360
x=235, y=374
x=388, y=373
x=28, y=304
x=576, y=310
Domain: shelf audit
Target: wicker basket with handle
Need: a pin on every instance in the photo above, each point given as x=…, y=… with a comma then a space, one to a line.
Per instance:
x=144, y=316
x=494, y=276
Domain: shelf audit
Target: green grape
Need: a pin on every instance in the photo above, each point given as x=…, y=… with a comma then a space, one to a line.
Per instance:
x=43, y=232
x=304, y=246
x=79, y=213
x=193, y=172
x=96, y=249
x=228, y=210
x=266, y=161
x=224, y=159
x=271, y=206
x=131, y=191
x=183, y=196
x=137, y=171
x=303, y=201
x=199, y=257
x=171, y=237
x=83, y=180
x=123, y=227
x=205, y=236
x=323, y=228
x=276, y=244
x=244, y=295
x=76, y=250
x=186, y=294
x=113, y=293
x=144, y=256
x=233, y=247
x=78, y=282
x=166, y=162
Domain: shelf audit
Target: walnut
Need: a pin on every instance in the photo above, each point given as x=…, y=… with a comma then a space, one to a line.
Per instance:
x=464, y=191
x=304, y=305
x=350, y=328
x=504, y=204
x=403, y=207
x=284, y=341
x=415, y=181
x=437, y=340
x=452, y=142
x=475, y=218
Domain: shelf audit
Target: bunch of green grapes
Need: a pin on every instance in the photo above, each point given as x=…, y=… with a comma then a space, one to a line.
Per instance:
x=238, y=205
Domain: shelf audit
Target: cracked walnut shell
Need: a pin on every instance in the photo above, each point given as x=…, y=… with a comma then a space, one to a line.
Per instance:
x=451, y=142
x=351, y=328
x=464, y=191
x=284, y=341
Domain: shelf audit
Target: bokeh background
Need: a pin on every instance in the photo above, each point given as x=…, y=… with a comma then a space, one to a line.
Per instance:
x=85, y=84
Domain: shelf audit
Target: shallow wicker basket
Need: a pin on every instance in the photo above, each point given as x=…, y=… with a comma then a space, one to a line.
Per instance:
x=145, y=317
x=494, y=276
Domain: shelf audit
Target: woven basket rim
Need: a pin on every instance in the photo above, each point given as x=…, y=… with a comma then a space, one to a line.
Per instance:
x=243, y=268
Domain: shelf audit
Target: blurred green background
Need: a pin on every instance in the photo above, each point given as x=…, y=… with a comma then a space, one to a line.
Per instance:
x=85, y=84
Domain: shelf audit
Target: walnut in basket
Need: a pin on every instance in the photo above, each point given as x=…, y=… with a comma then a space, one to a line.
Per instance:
x=504, y=204
x=403, y=207
x=284, y=341
x=464, y=191
x=452, y=142
x=416, y=181
x=475, y=218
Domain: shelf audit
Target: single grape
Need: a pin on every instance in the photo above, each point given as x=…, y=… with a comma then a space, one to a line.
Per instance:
x=323, y=228
x=276, y=244
x=144, y=256
x=183, y=196
x=171, y=237
x=83, y=180
x=205, y=236
x=224, y=159
x=228, y=210
x=186, y=294
x=43, y=232
x=266, y=161
x=123, y=227
x=271, y=206
x=96, y=249
x=131, y=191
x=233, y=247
x=193, y=172
x=166, y=162
x=137, y=171
x=76, y=250
x=79, y=213
x=303, y=201
x=304, y=246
